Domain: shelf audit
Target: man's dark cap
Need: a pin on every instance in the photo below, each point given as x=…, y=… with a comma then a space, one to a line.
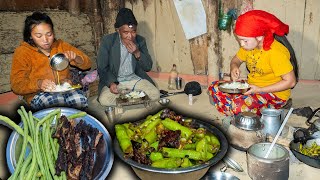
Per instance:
x=125, y=16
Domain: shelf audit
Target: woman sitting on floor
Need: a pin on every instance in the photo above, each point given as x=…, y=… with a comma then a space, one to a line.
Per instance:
x=270, y=60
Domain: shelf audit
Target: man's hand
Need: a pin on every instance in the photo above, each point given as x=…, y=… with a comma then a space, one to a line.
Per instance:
x=114, y=88
x=132, y=48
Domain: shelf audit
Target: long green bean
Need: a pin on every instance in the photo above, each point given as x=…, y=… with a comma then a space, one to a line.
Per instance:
x=32, y=168
x=77, y=115
x=47, y=138
x=41, y=163
x=26, y=163
x=24, y=146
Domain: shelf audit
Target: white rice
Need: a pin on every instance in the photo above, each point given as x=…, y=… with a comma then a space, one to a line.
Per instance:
x=235, y=85
x=63, y=87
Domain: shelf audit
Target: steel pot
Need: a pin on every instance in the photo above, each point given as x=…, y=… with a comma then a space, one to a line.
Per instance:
x=275, y=167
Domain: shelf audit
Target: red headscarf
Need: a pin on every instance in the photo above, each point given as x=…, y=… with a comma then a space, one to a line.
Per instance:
x=260, y=23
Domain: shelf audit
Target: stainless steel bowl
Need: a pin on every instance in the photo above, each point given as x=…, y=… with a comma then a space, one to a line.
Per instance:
x=164, y=101
x=103, y=157
x=59, y=62
x=247, y=121
x=190, y=173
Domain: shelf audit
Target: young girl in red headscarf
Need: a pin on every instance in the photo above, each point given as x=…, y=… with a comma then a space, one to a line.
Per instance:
x=270, y=60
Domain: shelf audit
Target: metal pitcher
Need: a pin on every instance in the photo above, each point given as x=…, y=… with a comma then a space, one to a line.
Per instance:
x=271, y=120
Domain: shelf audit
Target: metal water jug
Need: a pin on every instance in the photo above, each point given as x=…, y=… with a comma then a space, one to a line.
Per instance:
x=271, y=120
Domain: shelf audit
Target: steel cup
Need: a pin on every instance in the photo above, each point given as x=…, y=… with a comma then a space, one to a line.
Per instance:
x=111, y=113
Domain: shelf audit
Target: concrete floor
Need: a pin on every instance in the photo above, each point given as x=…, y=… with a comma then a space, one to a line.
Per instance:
x=306, y=93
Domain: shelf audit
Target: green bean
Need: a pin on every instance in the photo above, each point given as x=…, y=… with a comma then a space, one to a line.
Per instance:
x=24, y=146
x=154, y=156
x=123, y=138
x=32, y=168
x=43, y=152
x=173, y=125
x=38, y=150
x=25, y=165
x=47, y=138
x=167, y=163
x=77, y=115
x=53, y=147
x=32, y=124
x=181, y=153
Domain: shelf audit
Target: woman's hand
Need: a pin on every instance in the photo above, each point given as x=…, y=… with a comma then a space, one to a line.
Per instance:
x=253, y=89
x=114, y=88
x=46, y=85
x=234, y=68
x=235, y=73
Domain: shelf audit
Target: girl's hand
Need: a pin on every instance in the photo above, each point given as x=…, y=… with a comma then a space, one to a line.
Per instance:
x=72, y=56
x=46, y=85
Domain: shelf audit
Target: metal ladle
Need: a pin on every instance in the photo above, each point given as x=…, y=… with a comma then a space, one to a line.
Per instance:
x=59, y=62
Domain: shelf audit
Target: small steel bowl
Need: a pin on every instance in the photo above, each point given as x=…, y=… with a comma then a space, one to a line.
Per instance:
x=59, y=62
x=164, y=101
x=247, y=121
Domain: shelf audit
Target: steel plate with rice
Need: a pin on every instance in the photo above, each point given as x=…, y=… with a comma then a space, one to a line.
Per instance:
x=236, y=87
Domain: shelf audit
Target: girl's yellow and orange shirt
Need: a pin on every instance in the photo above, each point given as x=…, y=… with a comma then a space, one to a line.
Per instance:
x=267, y=67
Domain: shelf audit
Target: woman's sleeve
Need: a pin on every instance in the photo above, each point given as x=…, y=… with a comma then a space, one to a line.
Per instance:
x=20, y=80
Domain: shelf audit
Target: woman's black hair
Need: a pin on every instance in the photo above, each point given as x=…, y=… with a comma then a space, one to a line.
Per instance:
x=35, y=19
x=283, y=40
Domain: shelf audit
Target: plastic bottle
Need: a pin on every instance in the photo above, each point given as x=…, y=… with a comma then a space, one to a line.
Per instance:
x=172, y=77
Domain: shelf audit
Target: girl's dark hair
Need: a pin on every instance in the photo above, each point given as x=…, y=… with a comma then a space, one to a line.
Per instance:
x=283, y=40
x=35, y=19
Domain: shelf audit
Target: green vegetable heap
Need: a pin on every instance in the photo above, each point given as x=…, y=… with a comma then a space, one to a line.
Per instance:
x=164, y=140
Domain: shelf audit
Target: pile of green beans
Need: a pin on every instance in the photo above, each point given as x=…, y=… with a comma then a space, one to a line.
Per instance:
x=37, y=133
x=196, y=145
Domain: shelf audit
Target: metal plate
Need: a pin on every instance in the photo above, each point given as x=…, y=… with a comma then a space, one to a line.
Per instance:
x=231, y=91
x=153, y=170
x=103, y=157
x=72, y=89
